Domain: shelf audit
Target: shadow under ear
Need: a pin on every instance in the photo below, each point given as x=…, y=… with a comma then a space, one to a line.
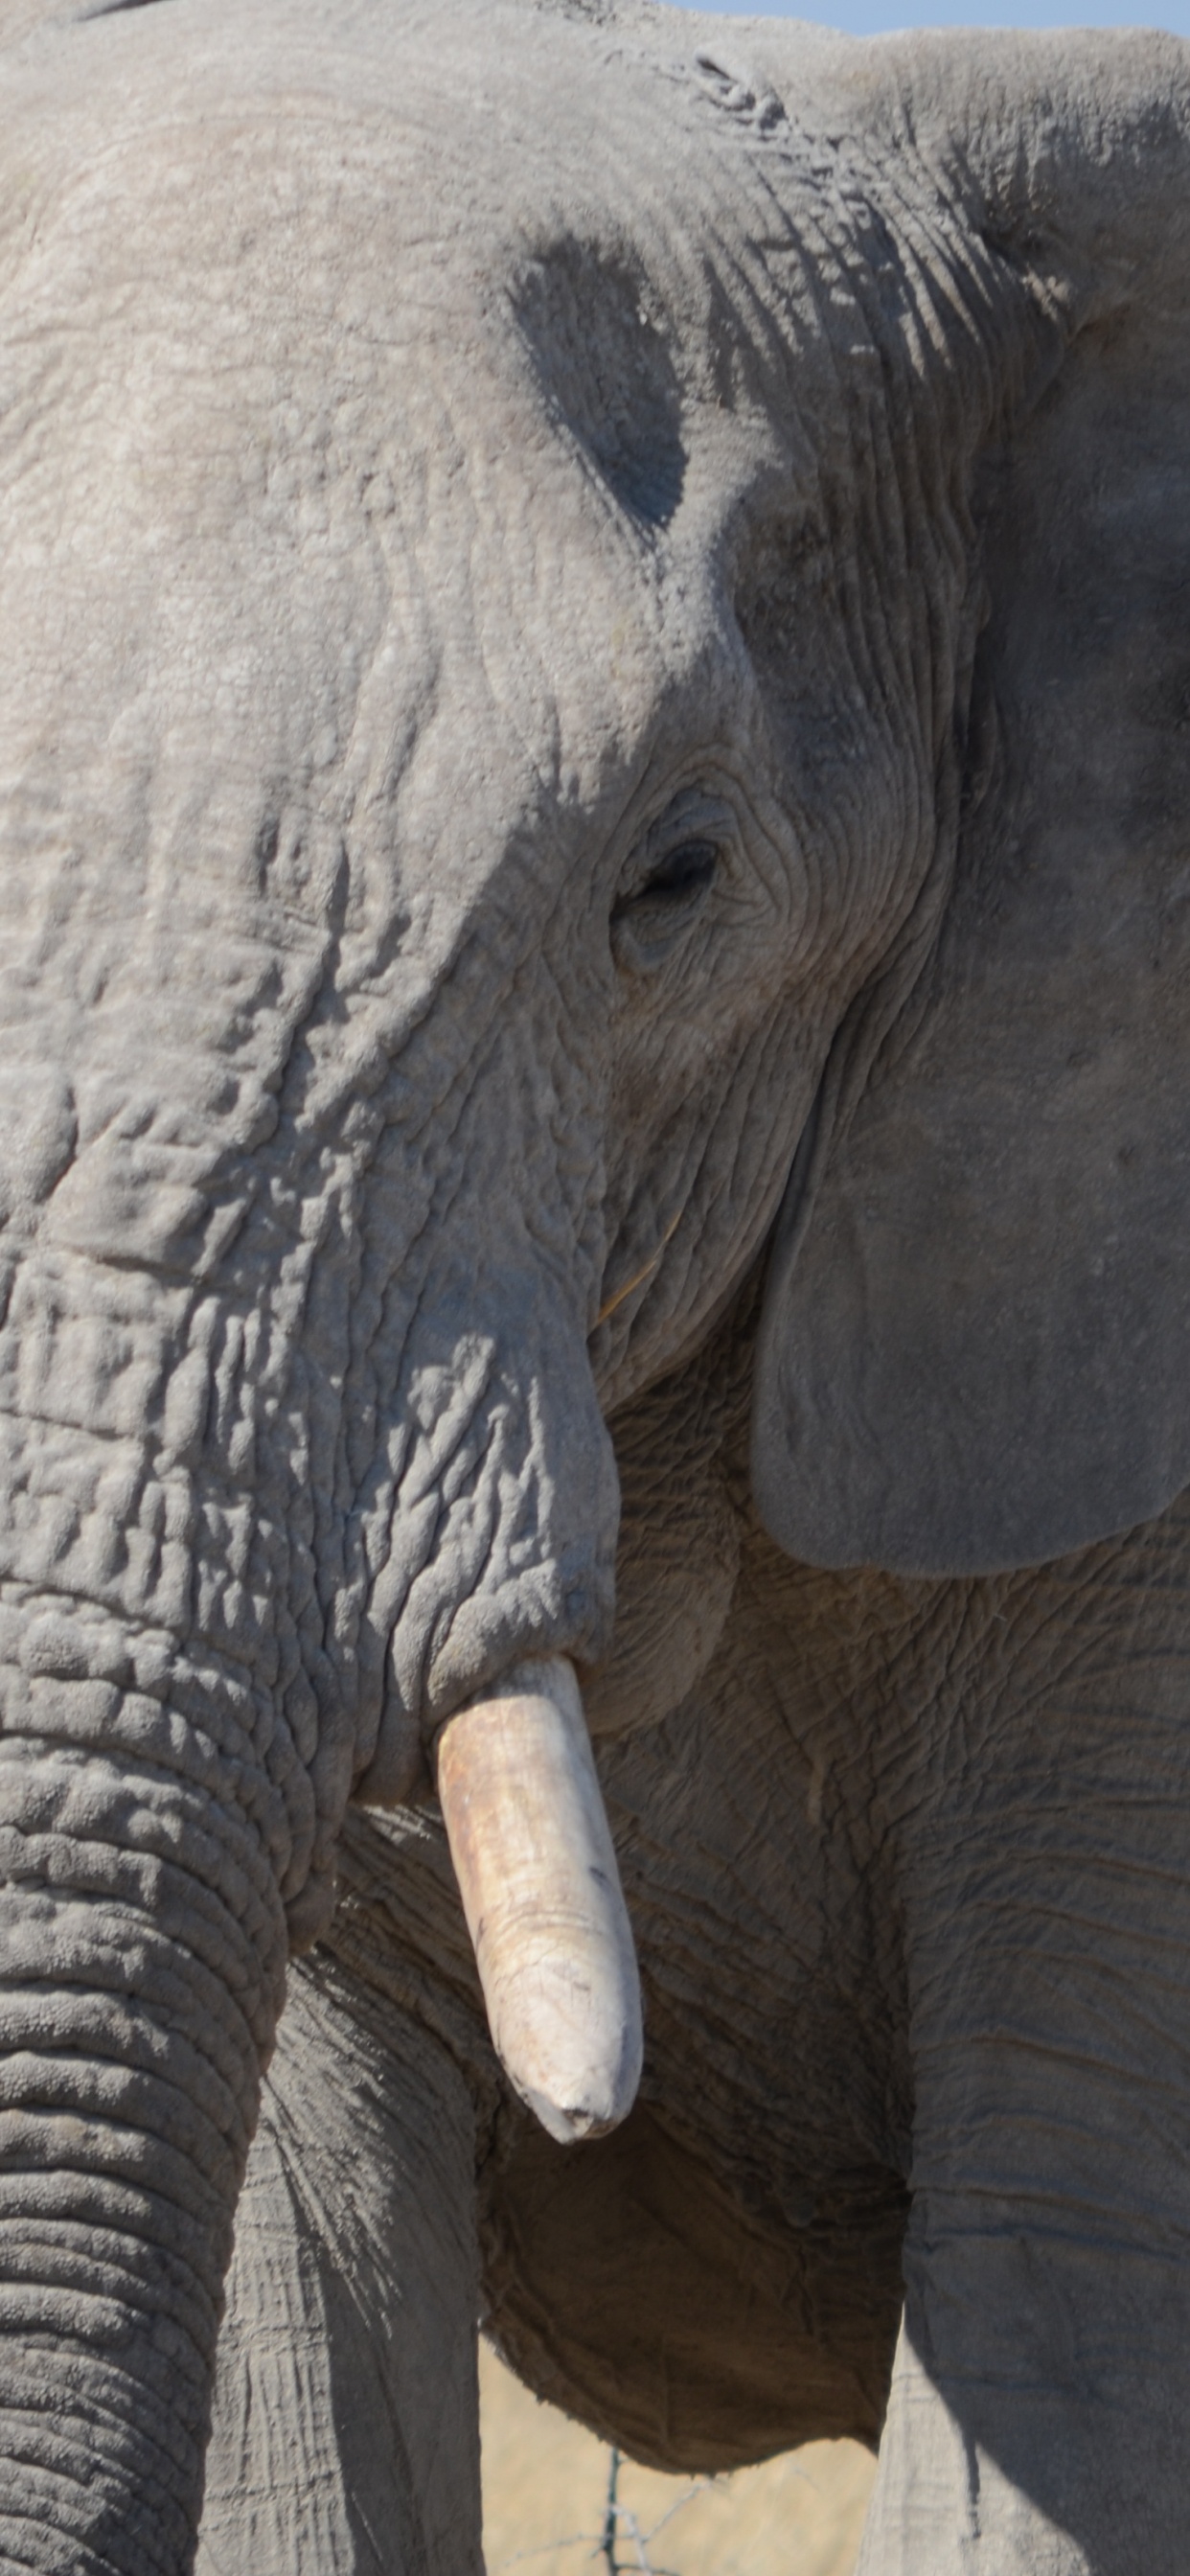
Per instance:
x=626, y=2284
x=977, y=1353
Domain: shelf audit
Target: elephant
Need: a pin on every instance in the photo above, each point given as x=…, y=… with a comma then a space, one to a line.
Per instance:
x=595, y=1335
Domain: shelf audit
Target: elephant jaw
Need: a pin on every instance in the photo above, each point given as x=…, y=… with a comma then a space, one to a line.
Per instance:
x=541, y=1894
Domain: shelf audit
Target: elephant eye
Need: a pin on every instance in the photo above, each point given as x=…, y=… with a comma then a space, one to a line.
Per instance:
x=684, y=872
x=662, y=897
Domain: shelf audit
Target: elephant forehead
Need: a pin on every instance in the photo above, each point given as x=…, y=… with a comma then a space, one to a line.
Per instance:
x=246, y=569
x=409, y=415
x=369, y=190
x=337, y=429
x=428, y=145
x=467, y=111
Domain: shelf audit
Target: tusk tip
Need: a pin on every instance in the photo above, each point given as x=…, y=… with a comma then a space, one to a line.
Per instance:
x=575, y=2091
x=570, y=2127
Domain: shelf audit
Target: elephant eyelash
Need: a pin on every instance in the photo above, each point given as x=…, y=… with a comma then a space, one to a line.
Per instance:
x=650, y=918
x=684, y=872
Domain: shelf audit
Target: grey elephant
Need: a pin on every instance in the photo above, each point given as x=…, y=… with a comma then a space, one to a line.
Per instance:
x=595, y=737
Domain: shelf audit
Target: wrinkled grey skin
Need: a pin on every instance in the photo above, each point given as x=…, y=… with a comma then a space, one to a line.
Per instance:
x=593, y=754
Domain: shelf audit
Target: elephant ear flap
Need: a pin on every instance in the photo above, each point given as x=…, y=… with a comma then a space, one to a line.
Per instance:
x=975, y=1349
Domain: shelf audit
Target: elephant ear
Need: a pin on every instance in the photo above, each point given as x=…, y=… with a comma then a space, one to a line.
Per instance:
x=975, y=1350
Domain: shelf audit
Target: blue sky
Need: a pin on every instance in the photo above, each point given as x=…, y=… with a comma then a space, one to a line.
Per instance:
x=874, y=17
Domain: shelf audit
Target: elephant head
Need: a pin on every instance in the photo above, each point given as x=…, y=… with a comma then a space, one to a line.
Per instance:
x=588, y=672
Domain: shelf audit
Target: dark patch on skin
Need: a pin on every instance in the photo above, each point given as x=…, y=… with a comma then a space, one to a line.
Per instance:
x=606, y=367
x=114, y=9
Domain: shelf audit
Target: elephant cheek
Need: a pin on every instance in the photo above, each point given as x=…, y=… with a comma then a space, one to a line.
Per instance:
x=142, y=1941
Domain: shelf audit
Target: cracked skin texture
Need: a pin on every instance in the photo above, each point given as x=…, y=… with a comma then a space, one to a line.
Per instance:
x=594, y=1060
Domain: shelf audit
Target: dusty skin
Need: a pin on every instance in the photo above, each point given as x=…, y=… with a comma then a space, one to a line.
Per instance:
x=594, y=1275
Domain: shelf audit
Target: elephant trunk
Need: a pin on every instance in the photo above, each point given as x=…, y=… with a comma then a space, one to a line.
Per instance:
x=541, y=1893
x=142, y=1945
x=496, y=1558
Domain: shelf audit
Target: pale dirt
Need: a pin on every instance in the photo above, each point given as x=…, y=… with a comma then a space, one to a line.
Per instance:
x=545, y=2484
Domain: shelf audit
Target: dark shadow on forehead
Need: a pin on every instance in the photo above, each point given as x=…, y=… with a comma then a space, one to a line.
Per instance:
x=112, y=9
x=605, y=367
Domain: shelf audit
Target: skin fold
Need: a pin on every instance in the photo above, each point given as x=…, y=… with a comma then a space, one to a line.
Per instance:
x=592, y=1101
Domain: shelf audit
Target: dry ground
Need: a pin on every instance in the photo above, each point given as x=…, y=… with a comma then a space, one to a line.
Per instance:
x=545, y=2486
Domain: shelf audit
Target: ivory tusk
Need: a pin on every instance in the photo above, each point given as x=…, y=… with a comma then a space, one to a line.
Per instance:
x=542, y=1897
